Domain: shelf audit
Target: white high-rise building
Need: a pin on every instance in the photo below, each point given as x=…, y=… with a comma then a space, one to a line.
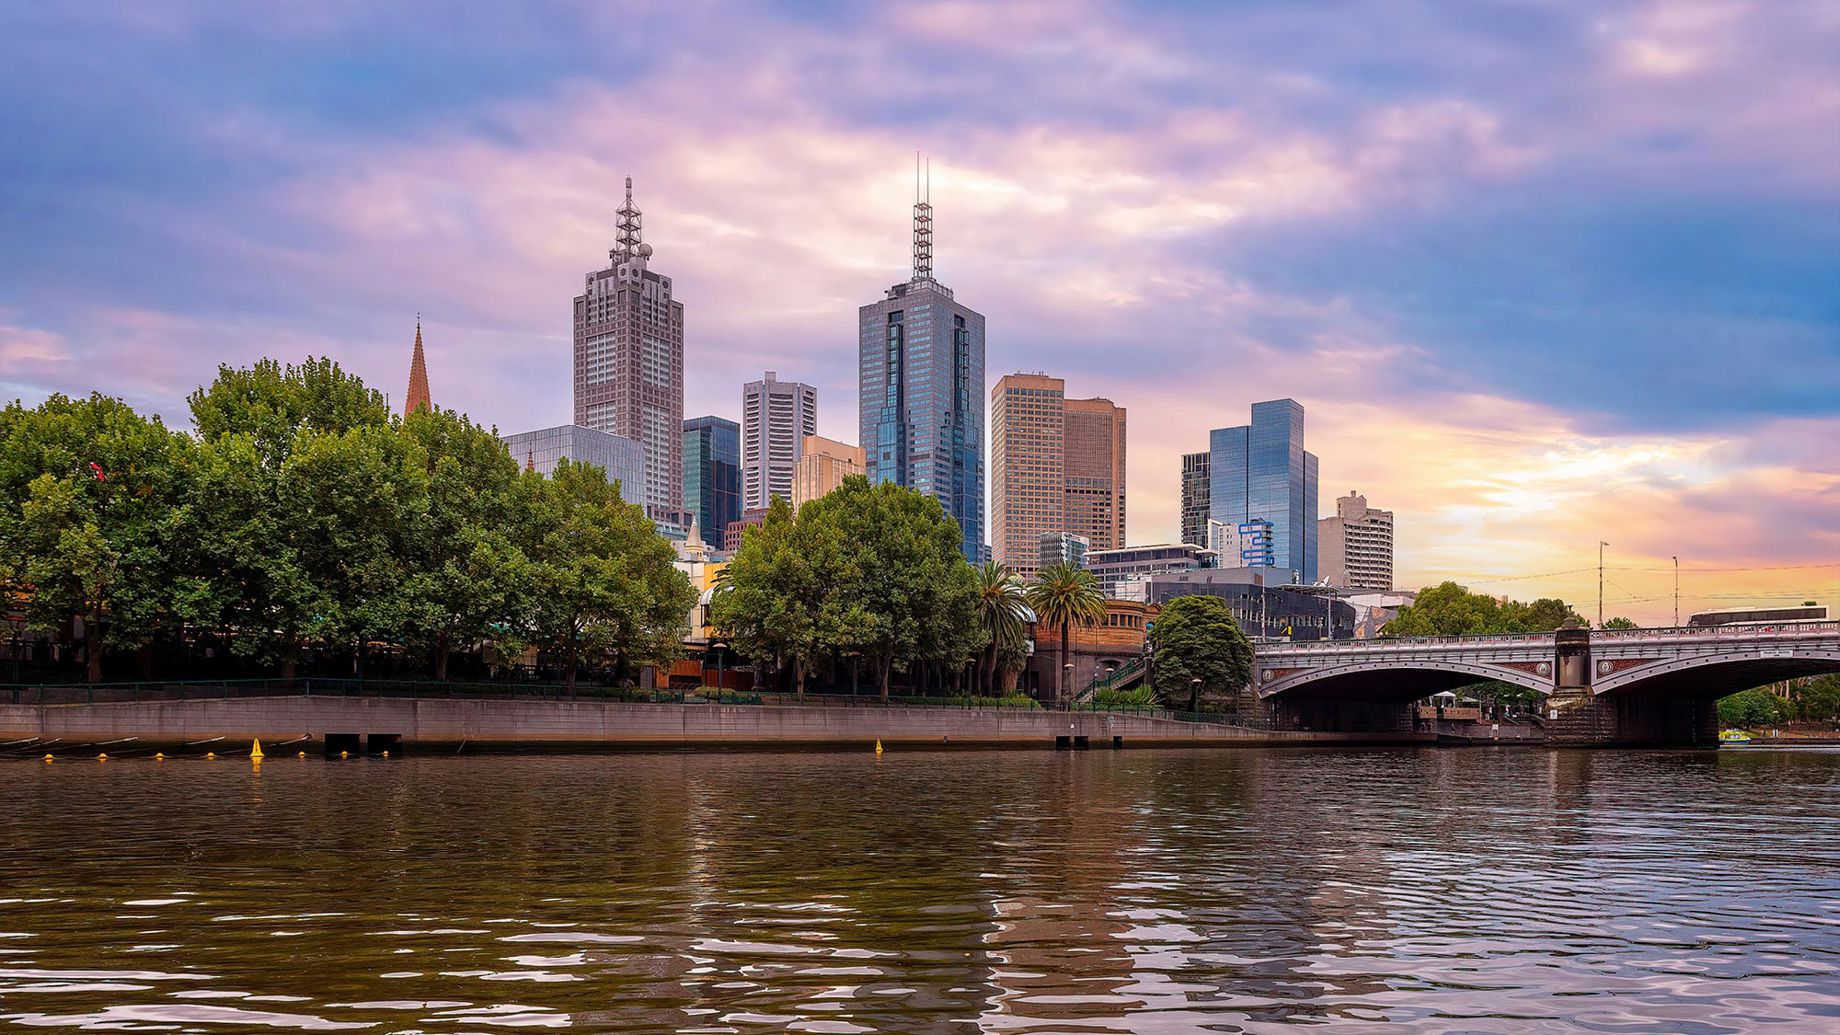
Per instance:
x=1357, y=545
x=775, y=418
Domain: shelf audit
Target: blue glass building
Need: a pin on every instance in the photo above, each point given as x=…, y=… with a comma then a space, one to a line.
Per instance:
x=921, y=390
x=1262, y=483
x=712, y=475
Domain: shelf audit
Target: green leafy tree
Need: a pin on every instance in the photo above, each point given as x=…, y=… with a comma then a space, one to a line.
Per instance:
x=257, y=558
x=1002, y=613
x=1063, y=596
x=769, y=596
x=1200, y=651
x=1449, y=609
x=1753, y=709
x=273, y=404
x=1620, y=623
x=465, y=579
x=1818, y=698
x=89, y=495
x=603, y=582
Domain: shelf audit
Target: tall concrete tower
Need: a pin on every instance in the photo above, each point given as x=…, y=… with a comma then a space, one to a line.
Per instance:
x=920, y=364
x=629, y=361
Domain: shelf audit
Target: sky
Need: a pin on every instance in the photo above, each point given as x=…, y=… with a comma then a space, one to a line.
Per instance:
x=1543, y=274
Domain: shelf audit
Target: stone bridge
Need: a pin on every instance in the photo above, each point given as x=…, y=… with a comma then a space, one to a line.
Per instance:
x=1602, y=686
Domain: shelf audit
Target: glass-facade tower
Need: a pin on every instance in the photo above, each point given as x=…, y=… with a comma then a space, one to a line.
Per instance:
x=1262, y=484
x=712, y=475
x=921, y=392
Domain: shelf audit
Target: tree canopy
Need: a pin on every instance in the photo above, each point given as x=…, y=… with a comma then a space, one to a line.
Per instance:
x=303, y=517
x=868, y=570
x=1200, y=652
x=1063, y=596
x=1449, y=609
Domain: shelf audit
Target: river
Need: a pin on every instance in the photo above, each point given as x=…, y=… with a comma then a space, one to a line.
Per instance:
x=1410, y=890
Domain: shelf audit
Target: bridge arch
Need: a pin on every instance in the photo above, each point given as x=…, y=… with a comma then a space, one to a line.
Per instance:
x=1726, y=672
x=1404, y=679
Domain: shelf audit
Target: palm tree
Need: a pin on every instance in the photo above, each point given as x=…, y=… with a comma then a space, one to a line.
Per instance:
x=1003, y=614
x=1063, y=594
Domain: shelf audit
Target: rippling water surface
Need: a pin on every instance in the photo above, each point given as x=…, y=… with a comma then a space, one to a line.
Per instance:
x=1140, y=891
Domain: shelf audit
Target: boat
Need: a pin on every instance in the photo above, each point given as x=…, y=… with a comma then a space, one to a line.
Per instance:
x=1733, y=738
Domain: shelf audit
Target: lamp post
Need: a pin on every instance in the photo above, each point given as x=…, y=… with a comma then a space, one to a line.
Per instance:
x=1676, y=592
x=1600, y=582
x=1067, y=683
x=1194, y=694
x=721, y=666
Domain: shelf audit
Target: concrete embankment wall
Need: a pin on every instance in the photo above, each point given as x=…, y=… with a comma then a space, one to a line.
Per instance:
x=439, y=723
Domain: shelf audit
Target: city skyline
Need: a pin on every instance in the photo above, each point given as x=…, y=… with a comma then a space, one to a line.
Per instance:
x=1415, y=248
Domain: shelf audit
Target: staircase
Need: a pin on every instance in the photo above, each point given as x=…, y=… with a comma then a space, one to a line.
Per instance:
x=1125, y=677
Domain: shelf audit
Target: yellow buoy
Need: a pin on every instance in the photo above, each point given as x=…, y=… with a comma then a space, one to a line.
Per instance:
x=255, y=748
x=386, y=754
x=303, y=754
x=159, y=756
x=878, y=745
x=48, y=757
x=344, y=754
x=103, y=757
x=210, y=754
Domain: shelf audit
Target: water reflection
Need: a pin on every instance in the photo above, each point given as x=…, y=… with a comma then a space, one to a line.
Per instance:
x=1421, y=890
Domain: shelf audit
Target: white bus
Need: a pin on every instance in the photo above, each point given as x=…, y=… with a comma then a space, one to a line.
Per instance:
x=1808, y=612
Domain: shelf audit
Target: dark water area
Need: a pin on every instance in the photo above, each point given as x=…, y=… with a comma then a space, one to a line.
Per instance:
x=1411, y=890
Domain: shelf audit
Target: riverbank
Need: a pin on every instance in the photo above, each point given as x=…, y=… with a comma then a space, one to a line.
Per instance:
x=354, y=723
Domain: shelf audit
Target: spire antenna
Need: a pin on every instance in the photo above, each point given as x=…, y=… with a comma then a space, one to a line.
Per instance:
x=631, y=227
x=923, y=222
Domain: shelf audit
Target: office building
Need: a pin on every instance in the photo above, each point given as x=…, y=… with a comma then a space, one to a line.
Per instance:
x=1263, y=484
x=1357, y=545
x=920, y=365
x=1260, y=602
x=418, y=397
x=629, y=361
x=776, y=416
x=1123, y=573
x=712, y=476
x=1195, y=498
x=1028, y=475
x=1064, y=548
x=752, y=518
x=621, y=458
x=823, y=465
x=1095, y=471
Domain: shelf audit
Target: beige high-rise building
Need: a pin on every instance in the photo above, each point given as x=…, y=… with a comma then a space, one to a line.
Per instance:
x=1028, y=478
x=1094, y=449
x=1356, y=545
x=776, y=417
x=823, y=465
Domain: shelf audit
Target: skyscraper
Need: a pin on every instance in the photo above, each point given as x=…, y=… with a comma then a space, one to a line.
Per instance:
x=629, y=361
x=1263, y=484
x=775, y=418
x=1095, y=472
x=418, y=398
x=712, y=475
x=1357, y=545
x=1027, y=467
x=920, y=363
x=1195, y=498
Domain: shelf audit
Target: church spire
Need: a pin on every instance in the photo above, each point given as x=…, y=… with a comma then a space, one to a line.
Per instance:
x=418, y=376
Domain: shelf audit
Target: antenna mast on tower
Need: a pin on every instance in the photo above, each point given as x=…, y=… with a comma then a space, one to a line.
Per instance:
x=923, y=222
x=631, y=226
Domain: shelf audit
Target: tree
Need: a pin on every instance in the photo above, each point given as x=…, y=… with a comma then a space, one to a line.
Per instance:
x=1003, y=613
x=1817, y=698
x=1064, y=595
x=602, y=578
x=90, y=492
x=1449, y=609
x=1199, y=648
x=1752, y=709
x=1620, y=623
x=465, y=579
x=272, y=405
x=246, y=539
x=769, y=601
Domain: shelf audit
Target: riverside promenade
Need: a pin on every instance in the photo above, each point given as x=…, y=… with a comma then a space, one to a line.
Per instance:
x=123, y=722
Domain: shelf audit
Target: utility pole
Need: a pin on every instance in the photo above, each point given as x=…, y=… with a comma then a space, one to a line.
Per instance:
x=1600, y=582
x=1676, y=592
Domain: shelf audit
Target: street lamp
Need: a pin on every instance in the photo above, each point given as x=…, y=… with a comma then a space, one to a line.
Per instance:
x=721, y=666
x=1194, y=694
x=1067, y=684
